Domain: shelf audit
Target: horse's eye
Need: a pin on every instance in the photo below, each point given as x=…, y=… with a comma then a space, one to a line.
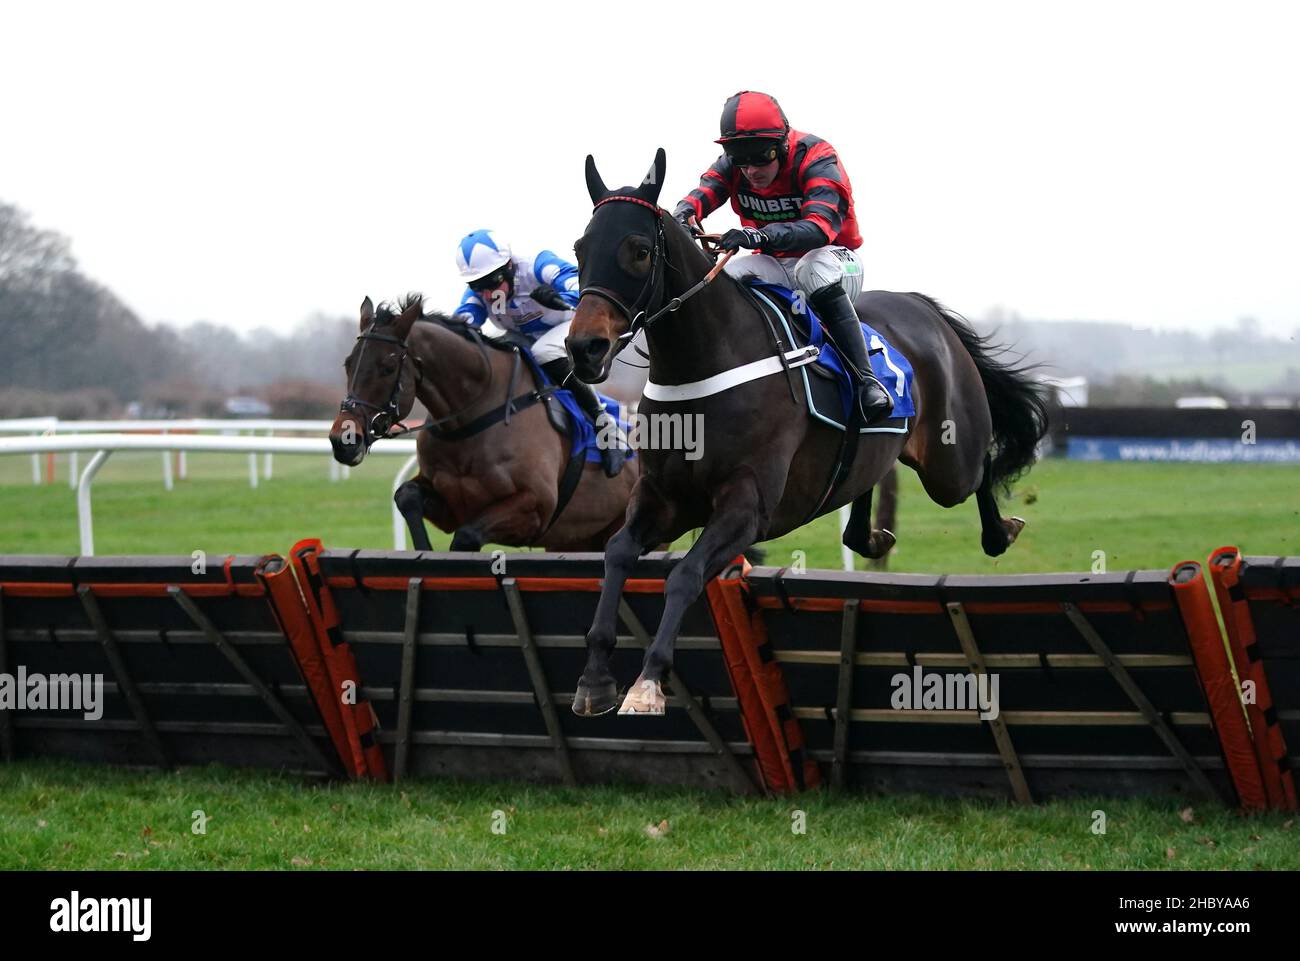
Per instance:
x=642, y=253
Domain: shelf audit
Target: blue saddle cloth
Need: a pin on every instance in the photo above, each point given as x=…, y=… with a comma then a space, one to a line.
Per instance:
x=581, y=431
x=890, y=366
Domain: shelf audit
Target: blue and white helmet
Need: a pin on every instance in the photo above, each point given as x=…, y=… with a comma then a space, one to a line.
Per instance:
x=480, y=253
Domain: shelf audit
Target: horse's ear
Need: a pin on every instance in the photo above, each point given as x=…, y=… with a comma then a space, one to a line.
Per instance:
x=654, y=180
x=367, y=313
x=595, y=186
x=413, y=311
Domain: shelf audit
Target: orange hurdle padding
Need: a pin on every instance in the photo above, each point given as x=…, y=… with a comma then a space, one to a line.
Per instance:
x=290, y=610
x=1270, y=745
x=760, y=689
x=364, y=757
x=731, y=621
x=1210, y=653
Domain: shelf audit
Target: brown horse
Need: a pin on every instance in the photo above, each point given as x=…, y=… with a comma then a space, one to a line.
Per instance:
x=764, y=469
x=491, y=471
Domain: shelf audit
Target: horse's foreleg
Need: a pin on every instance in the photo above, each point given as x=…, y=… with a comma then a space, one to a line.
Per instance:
x=597, y=691
x=412, y=500
x=734, y=525
x=998, y=532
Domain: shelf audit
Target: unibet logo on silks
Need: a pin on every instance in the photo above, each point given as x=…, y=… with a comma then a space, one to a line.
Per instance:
x=770, y=208
x=73, y=915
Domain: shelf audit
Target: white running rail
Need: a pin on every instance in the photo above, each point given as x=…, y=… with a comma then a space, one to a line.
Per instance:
x=255, y=425
x=103, y=444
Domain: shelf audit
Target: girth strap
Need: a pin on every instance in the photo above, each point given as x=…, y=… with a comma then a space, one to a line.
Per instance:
x=568, y=484
x=482, y=423
x=734, y=377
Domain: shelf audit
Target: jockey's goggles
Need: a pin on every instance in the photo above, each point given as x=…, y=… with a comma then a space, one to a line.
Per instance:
x=749, y=155
x=493, y=280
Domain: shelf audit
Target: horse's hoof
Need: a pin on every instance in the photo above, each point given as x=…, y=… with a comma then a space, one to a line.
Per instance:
x=1013, y=525
x=997, y=541
x=880, y=543
x=645, y=697
x=593, y=700
x=877, y=544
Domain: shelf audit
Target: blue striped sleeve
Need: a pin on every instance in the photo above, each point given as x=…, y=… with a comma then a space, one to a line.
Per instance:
x=471, y=306
x=559, y=273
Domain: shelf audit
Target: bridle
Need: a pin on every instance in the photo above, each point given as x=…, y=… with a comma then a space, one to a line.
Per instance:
x=652, y=288
x=385, y=415
x=637, y=313
x=380, y=426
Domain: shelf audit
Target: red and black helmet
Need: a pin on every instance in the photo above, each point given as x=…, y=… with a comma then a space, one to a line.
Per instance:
x=753, y=116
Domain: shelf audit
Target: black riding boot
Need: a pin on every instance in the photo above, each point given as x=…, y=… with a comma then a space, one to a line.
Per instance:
x=836, y=311
x=611, y=456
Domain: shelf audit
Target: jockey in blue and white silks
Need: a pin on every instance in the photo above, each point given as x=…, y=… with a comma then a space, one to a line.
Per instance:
x=534, y=296
x=512, y=291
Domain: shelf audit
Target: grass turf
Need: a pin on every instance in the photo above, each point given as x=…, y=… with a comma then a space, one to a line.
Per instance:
x=67, y=816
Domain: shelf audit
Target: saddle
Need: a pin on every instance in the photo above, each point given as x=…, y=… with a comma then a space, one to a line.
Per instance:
x=826, y=383
x=513, y=342
x=562, y=409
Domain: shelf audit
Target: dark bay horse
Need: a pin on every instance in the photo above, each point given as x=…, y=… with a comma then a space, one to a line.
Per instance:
x=488, y=481
x=764, y=468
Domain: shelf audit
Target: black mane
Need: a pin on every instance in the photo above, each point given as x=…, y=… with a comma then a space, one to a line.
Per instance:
x=388, y=311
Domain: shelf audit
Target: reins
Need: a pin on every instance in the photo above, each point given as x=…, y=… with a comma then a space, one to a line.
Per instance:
x=380, y=426
x=637, y=314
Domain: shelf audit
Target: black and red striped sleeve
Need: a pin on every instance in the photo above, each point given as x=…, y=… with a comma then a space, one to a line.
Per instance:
x=714, y=189
x=826, y=195
x=825, y=201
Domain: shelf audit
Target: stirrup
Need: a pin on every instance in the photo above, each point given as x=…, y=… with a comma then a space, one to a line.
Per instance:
x=878, y=411
x=612, y=458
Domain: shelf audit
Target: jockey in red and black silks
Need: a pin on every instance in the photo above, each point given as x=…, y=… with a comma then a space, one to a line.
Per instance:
x=795, y=203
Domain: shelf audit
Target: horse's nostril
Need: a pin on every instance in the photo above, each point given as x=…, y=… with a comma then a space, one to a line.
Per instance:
x=594, y=350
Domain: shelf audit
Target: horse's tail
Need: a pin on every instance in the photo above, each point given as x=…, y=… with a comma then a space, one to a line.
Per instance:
x=1017, y=402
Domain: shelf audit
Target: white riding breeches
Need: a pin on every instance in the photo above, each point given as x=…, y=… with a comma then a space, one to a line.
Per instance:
x=812, y=272
x=546, y=348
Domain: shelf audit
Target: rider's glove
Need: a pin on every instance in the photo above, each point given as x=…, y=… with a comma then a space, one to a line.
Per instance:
x=548, y=296
x=683, y=214
x=751, y=238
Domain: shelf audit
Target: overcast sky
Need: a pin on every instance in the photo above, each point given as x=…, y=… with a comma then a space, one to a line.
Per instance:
x=251, y=163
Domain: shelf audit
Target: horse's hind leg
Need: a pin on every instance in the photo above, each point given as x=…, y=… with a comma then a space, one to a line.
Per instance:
x=468, y=539
x=859, y=535
x=886, y=512
x=515, y=520
x=998, y=532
